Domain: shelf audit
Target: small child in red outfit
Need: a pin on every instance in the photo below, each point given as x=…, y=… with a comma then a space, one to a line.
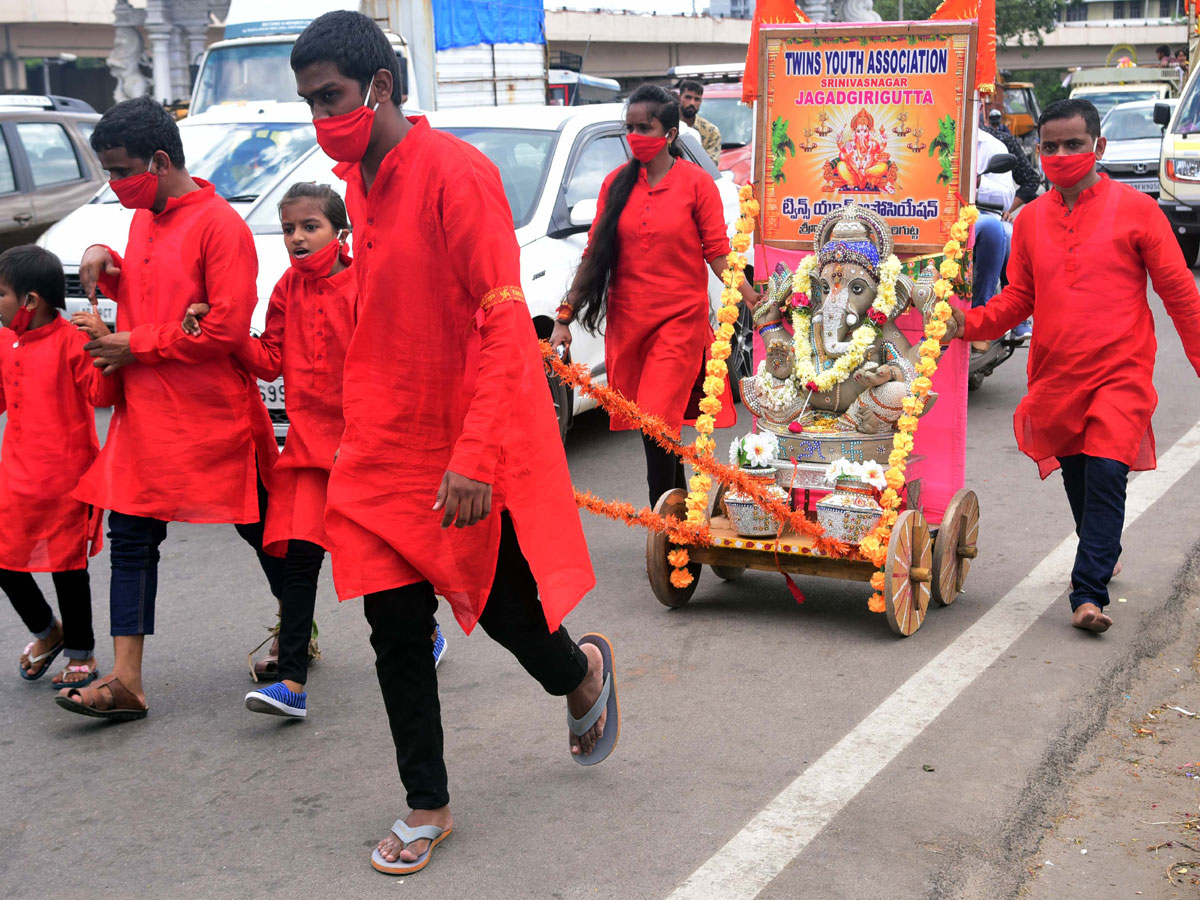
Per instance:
x=309, y=324
x=48, y=386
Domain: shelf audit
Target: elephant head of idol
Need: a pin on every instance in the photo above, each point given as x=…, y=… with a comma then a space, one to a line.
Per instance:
x=850, y=244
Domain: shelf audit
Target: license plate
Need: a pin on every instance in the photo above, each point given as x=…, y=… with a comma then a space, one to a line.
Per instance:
x=1146, y=187
x=271, y=393
x=105, y=307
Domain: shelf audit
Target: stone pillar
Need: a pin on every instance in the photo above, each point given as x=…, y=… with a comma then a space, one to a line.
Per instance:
x=818, y=10
x=158, y=28
x=181, y=81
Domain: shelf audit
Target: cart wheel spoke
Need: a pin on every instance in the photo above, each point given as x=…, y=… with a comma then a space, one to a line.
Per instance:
x=659, y=545
x=908, y=573
x=956, y=546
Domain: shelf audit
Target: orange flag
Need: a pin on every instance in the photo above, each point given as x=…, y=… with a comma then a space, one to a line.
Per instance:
x=985, y=12
x=766, y=12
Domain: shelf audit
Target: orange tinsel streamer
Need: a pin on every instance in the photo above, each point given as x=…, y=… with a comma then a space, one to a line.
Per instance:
x=578, y=377
x=679, y=530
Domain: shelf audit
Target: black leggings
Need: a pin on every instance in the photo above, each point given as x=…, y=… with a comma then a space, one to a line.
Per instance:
x=301, y=569
x=401, y=620
x=664, y=470
x=74, y=605
x=252, y=534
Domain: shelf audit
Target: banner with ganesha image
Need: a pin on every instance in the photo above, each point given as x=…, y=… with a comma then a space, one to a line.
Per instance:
x=876, y=114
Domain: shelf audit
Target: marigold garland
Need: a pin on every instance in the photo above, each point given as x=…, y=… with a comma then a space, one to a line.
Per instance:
x=716, y=368
x=874, y=545
x=707, y=467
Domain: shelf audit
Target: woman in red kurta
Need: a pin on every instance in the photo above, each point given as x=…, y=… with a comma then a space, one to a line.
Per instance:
x=49, y=387
x=1080, y=256
x=659, y=227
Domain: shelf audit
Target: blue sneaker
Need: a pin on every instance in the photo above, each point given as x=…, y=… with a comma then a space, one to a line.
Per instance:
x=1023, y=331
x=277, y=700
x=439, y=645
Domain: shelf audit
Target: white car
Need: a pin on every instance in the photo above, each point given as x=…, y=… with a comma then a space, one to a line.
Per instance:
x=1134, y=144
x=552, y=161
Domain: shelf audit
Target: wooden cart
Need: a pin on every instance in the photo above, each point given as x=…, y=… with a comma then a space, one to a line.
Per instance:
x=922, y=562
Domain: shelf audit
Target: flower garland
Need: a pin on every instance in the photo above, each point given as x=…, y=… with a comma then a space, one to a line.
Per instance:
x=716, y=369
x=874, y=545
x=861, y=341
x=708, y=468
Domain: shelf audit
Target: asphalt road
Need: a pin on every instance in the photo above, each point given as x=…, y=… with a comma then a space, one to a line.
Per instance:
x=725, y=703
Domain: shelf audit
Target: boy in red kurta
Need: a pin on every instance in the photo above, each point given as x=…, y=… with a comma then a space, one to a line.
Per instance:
x=450, y=477
x=190, y=427
x=1079, y=261
x=48, y=386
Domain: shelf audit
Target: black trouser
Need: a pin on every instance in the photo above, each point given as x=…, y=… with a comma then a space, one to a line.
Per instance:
x=301, y=569
x=1096, y=491
x=74, y=606
x=401, y=620
x=664, y=470
x=133, y=552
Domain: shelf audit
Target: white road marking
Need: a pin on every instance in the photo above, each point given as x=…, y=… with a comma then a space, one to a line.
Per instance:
x=772, y=839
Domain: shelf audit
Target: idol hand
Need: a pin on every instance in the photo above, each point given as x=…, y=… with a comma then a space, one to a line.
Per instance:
x=872, y=374
x=465, y=501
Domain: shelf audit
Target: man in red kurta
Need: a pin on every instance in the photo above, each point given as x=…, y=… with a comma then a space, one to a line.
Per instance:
x=1080, y=256
x=189, y=436
x=450, y=477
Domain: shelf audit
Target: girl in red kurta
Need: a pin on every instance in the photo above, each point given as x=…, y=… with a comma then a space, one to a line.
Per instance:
x=48, y=386
x=1080, y=256
x=659, y=226
x=309, y=323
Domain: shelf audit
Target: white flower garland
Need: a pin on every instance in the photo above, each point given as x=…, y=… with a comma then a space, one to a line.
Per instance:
x=862, y=339
x=775, y=394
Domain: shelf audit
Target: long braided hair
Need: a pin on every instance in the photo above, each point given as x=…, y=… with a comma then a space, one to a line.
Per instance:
x=591, y=283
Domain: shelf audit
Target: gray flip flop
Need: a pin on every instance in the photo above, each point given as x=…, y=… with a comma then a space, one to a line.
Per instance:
x=606, y=702
x=401, y=829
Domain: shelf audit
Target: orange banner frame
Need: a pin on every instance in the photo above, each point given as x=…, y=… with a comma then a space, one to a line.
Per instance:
x=887, y=90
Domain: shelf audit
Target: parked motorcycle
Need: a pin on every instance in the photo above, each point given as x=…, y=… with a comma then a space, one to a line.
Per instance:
x=984, y=363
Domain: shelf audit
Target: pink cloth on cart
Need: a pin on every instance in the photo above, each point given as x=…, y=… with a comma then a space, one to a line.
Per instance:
x=942, y=435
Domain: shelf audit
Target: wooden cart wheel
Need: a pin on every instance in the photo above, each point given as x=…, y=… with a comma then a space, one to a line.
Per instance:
x=908, y=573
x=659, y=545
x=955, y=546
x=728, y=573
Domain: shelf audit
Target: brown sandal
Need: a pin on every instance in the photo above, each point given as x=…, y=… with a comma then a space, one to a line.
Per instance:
x=106, y=699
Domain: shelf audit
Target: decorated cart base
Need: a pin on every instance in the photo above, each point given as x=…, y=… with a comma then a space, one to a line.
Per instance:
x=921, y=562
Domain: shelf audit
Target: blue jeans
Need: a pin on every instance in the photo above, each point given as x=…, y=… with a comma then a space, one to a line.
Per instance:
x=991, y=247
x=1096, y=491
x=133, y=554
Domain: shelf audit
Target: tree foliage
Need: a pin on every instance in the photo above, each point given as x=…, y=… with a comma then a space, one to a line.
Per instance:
x=1017, y=21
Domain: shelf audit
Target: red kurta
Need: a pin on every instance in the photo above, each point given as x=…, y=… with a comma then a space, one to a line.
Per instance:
x=309, y=324
x=444, y=372
x=182, y=443
x=657, y=331
x=1081, y=274
x=49, y=386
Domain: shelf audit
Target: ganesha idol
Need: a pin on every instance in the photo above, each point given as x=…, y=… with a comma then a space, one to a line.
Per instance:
x=834, y=388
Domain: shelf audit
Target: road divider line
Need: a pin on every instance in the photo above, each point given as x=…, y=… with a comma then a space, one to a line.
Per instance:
x=756, y=855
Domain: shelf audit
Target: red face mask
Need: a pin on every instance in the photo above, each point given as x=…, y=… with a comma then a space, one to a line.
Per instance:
x=344, y=138
x=644, y=147
x=21, y=320
x=318, y=263
x=136, y=191
x=1068, y=171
